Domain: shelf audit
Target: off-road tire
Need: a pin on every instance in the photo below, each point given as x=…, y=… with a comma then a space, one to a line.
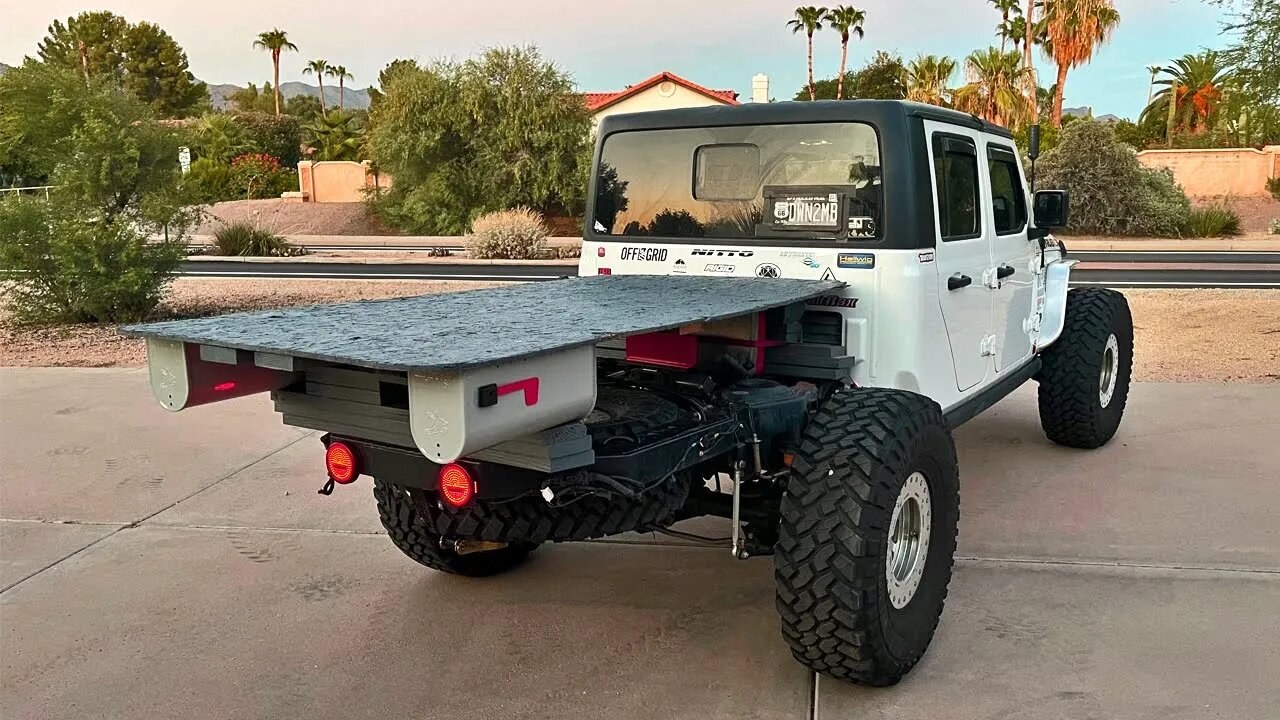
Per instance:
x=531, y=519
x=830, y=560
x=398, y=510
x=1071, y=408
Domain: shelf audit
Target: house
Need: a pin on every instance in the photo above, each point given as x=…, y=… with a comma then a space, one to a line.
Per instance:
x=663, y=91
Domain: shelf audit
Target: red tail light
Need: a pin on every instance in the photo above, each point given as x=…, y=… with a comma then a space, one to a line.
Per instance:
x=456, y=486
x=340, y=461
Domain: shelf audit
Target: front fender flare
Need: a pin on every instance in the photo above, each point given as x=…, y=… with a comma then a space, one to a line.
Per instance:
x=1057, y=278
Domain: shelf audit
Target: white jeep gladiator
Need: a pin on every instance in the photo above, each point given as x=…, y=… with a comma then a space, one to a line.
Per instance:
x=785, y=309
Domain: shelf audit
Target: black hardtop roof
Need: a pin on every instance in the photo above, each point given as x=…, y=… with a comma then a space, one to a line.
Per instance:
x=881, y=113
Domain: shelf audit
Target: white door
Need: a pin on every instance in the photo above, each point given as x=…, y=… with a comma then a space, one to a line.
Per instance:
x=963, y=252
x=1011, y=254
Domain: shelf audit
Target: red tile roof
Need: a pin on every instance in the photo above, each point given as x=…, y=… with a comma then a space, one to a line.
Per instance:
x=596, y=101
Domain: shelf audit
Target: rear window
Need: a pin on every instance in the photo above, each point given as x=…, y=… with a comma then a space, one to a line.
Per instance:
x=819, y=180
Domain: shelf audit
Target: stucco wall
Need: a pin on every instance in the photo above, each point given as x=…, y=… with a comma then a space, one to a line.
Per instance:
x=656, y=98
x=1231, y=171
x=337, y=180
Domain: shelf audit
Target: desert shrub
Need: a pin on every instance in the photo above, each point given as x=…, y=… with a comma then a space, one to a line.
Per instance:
x=279, y=136
x=568, y=252
x=78, y=268
x=1274, y=227
x=1273, y=187
x=257, y=176
x=246, y=240
x=210, y=181
x=517, y=234
x=1213, y=220
x=1111, y=192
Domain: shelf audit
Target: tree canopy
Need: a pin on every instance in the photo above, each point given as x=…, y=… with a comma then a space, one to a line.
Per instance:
x=140, y=58
x=461, y=138
x=882, y=78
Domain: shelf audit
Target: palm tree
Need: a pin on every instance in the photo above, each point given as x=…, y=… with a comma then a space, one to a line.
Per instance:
x=275, y=40
x=319, y=67
x=846, y=20
x=1196, y=83
x=809, y=20
x=1075, y=28
x=927, y=78
x=334, y=136
x=1007, y=9
x=340, y=72
x=1029, y=28
x=1151, y=86
x=994, y=91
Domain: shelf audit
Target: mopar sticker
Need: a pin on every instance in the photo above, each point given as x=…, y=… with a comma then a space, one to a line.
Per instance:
x=768, y=270
x=644, y=253
x=863, y=261
x=833, y=301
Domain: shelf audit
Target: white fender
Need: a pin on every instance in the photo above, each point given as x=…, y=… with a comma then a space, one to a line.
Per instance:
x=1057, y=275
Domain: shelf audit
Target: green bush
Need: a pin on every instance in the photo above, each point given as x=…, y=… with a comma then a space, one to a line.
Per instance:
x=210, y=181
x=243, y=239
x=503, y=130
x=1274, y=228
x=259, y=176
x=1273, y=187
x=1111, y=192
x=279, y=136
x=517, y=234
x=80, y=269
x=1213, y=220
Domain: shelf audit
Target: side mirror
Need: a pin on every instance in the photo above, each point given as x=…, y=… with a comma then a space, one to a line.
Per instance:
x=1051, y=209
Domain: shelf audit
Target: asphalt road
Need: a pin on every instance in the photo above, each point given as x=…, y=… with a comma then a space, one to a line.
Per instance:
x=1185, y=273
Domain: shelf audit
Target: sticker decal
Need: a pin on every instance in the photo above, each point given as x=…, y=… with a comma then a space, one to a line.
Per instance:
x=862, y=227
x=926, y=256
x=715, y=252
x=679, y=268
x=862, y=261
x=643, y=254
x=833, y=301
x=599, y=227
x=828, y=275
x=716, y=268
x=768, y=270
x=811, y=263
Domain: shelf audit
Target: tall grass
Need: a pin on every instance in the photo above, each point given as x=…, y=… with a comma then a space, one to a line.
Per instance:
x=1213, y=220
x=246, y=240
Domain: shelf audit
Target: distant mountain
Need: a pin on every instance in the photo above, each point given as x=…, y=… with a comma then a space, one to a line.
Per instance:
x=356, y=99
x=5, y=68
x=1087, y=112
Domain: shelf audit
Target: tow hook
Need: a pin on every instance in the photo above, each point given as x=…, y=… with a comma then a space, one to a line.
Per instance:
x=327, y=488
x=466, y=547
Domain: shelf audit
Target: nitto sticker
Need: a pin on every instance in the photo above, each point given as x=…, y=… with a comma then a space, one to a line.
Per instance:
x=863, y=261
x=716, y=252
x=768, y=270
x=833, y=301
x=644, y=254
x=722, y=269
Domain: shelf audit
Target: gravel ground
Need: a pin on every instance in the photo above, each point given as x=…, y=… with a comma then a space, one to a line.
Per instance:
x=1182, y=335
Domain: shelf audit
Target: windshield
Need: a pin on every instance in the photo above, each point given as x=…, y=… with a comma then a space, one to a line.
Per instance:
x=819, y=180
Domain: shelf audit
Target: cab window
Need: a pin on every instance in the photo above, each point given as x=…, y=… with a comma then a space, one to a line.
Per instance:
x=955, y=171
x=1008, y=202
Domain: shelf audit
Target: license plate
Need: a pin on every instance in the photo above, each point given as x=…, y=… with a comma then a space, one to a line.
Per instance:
x=805, y=212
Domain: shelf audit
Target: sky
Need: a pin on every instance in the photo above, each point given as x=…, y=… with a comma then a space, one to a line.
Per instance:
x=607, y=45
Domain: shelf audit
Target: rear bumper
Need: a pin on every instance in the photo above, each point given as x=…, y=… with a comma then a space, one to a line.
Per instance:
x=408, y=467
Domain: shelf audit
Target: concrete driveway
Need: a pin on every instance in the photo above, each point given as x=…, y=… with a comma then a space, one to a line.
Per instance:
x=159, y=565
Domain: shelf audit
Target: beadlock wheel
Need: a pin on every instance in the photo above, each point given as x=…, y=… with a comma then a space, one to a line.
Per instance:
x=908, y=546
x=1107, y=378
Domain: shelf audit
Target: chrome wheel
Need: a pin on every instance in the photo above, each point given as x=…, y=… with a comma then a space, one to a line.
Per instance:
x=1108, y=375
x=908, y=545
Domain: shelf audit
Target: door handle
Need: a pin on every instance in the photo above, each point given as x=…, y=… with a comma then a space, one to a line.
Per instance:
x=957, y=281
x=1004, y=271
